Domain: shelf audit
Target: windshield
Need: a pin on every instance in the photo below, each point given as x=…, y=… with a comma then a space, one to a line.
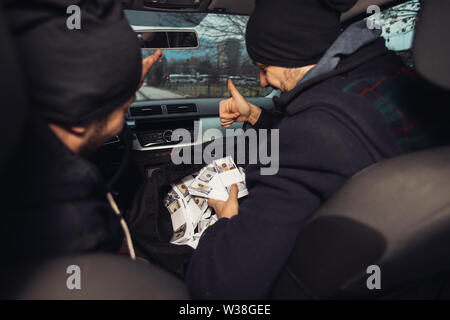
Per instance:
x=202, y=72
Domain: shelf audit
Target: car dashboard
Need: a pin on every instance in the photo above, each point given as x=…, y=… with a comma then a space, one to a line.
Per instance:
x=152, y=124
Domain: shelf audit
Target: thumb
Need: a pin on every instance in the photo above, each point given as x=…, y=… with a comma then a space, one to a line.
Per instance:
x=212, y=203
x=234, y=92
x=234, y=190
x=147, y=63
x=151, y=60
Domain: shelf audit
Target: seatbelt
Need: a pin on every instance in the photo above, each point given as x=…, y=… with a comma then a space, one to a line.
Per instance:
x=123, y=224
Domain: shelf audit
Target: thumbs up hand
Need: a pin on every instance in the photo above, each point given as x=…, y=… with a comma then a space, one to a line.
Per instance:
x=237, y=109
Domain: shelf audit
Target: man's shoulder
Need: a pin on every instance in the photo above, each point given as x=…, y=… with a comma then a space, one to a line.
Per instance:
x=58, y=196
x=329, y=110
x=53, y=173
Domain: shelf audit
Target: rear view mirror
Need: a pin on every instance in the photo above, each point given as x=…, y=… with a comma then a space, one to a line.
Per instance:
x=168, y=39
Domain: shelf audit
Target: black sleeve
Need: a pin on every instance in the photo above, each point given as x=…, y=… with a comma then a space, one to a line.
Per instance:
x=268, y=119
x=239, y=258
x=66, y=228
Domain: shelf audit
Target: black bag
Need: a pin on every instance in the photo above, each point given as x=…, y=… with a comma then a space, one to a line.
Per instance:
x=150, y=223
x=149, y=220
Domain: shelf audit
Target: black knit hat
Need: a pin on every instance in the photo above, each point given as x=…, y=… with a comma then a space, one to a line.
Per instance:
x=75, y=76
x=293, y=33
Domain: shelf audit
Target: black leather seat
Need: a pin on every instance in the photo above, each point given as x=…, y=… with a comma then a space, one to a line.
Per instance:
x=102, y=276
x=395, y=214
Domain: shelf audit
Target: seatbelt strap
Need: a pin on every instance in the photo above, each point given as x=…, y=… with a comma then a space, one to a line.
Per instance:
x=124, y=225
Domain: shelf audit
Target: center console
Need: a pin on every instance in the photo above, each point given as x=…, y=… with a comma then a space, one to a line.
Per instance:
x=159, y=133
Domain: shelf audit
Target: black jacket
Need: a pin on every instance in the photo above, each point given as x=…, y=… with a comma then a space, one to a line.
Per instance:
x=329, y=129
x=57, y=202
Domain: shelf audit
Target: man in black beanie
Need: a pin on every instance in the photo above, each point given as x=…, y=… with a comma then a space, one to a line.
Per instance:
x=346, y=103
x=80, y=84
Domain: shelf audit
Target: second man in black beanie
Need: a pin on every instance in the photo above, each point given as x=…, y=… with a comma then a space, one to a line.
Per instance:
x=346, y=103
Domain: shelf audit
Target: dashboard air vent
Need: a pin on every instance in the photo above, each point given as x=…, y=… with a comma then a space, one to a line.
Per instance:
x=181, y=108
x=145, y=111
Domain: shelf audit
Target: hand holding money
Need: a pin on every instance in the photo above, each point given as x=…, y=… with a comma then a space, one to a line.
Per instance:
x=229, y=208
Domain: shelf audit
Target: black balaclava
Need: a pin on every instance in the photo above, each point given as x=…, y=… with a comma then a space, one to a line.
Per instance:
x=293, y=33
x=75, y=76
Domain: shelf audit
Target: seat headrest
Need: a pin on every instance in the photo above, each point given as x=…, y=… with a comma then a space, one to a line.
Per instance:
x=431, y=47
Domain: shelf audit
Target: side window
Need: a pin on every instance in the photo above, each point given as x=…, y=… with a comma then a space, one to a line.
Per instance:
x=398, y=24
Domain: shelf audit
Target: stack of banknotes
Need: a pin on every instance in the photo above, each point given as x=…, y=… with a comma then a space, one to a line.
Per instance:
x=187, y=202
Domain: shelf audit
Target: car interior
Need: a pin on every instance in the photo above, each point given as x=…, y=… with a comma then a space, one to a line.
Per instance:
x=395, y=214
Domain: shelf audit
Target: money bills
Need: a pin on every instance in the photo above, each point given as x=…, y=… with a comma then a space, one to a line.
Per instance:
x=187, y=202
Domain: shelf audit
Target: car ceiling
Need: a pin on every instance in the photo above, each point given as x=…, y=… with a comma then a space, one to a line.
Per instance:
x=246, y=7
